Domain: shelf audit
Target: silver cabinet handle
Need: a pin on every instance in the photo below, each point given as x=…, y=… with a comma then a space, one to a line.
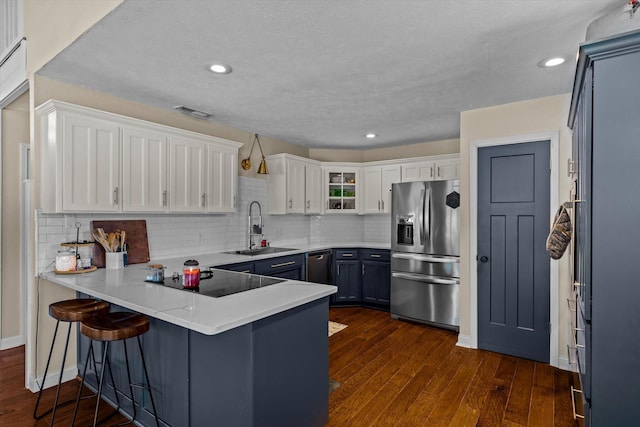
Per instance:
x=290, y=203
x=164, y=198
x=438, y=172
x=363, y=269
x=431, y=171
x=115, y=196
x=282, y=264
x=204, y=199
x=375, y=256
x=308, y=204
x=383, y=205
x=347, y=255
x=378, y=204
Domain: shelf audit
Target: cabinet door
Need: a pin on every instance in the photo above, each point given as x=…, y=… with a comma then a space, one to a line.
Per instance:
x=376, y=287
x=447, y=169
x=421, y=171
x=295, y=186
x=389, y=175
x=342, y=188
x=348, y=281
x=90, y=165
x=186, y=175
x=144, y=171
x=313, y=189
x=222, y=179
x=372, y=183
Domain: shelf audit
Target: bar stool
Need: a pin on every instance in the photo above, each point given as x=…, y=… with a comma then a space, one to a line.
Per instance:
x=116, y=326
x=71, y=311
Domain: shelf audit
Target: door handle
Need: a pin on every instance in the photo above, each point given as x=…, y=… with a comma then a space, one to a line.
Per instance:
x=484, y=259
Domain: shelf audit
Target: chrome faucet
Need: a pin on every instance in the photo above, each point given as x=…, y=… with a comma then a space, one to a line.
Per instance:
x=254, y=229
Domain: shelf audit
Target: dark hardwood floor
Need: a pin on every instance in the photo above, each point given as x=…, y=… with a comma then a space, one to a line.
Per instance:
x=392, y=373
x=395, y=373
x=17, y=403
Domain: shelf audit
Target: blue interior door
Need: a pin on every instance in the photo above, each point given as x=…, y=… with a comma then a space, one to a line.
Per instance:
x=513, y=266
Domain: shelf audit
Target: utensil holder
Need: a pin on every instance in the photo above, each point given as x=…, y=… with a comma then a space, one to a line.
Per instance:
x=114, y=260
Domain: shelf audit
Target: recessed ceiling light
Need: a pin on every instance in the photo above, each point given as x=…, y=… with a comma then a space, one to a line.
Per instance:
x=371, y=135
x=550, y=62
x=219, y=68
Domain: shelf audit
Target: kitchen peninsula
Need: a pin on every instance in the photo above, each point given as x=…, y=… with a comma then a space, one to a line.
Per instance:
x=252, y=358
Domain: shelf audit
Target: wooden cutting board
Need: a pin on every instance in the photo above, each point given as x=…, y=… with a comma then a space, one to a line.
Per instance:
x=138, y=251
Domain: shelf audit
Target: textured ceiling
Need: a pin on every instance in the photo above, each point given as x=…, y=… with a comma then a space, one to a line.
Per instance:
x=323, y=73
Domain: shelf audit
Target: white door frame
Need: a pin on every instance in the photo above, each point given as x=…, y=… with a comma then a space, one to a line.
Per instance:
x=554, y=138
x=25, y=239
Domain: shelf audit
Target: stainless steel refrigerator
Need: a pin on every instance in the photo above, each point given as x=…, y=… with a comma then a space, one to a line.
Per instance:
x=425, y=252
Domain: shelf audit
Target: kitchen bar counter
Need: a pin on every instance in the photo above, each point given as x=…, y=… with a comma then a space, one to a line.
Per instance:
x=254, y=358
x=126, y=287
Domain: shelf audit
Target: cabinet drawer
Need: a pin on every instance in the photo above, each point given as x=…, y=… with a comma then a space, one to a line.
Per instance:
x=273, y=265
x=347, y=254
x=242, y=267
x=375, y=255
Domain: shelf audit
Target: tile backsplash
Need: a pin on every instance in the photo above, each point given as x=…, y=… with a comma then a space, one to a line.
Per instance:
x=179, y=235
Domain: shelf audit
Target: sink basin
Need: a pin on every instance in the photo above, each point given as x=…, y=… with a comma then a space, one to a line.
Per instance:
x=260, y=251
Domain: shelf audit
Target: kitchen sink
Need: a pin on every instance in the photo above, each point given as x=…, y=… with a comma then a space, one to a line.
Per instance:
x=260, y=251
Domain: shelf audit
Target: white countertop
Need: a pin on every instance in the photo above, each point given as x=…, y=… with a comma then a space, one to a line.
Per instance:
x=127, y=288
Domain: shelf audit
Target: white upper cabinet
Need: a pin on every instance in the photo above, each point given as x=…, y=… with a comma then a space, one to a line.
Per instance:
x=313, y=189
x=144, y=170
x=291, y=185
x=431, y=170
x=342, y=188
x=94, y=161
x=187, y=175
x=89, y=164
x=447, y=169
x=420, y=171
x=222, y=179
x=377, y=182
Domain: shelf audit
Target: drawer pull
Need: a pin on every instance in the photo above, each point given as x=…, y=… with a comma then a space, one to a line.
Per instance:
x=282, y=264
x=573, y=403
x=347, y=255
x=375, y=256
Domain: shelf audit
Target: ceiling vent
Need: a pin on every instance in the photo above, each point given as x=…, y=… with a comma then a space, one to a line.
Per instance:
x=193, y=112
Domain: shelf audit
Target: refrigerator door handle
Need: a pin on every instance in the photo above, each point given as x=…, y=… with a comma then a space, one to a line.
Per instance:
x=421, y=217
x=423, y=278
x=428, y=258
x=427, y=213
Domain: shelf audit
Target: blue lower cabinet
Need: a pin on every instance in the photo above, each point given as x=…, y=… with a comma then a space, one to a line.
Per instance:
x=347, y=277
x=286, y=267
x=376, y=287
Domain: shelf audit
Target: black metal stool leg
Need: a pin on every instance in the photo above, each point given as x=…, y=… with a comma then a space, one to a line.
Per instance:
x=64, y=359
x=146, y=378
x=104, y=361
x=84, y=373
x=46, y=369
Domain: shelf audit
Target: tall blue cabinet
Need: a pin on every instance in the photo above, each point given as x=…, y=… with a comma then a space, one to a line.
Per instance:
x=605, y=119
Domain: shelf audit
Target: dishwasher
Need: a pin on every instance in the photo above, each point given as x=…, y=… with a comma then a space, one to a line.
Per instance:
x=319, y=267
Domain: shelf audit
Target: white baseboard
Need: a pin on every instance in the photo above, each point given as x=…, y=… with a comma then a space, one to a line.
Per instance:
x=11, y=342
x=52, y=379
x=464, y=341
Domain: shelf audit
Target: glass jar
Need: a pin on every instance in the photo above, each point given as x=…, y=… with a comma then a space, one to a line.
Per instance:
x=66, y=261
x=191, y=274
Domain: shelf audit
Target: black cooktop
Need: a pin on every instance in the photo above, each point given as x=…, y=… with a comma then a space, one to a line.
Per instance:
x=224, y=283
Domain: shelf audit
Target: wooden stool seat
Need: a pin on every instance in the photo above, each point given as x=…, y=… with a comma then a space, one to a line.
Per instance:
x=115, y=326
x=76, y=310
